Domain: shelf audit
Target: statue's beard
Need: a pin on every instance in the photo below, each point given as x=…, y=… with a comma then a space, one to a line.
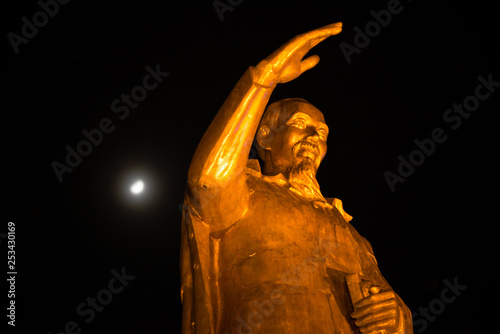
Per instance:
x=302, y=178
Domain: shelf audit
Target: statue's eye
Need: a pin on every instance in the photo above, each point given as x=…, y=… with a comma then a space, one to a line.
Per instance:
x=322, y=134
x=299, y=123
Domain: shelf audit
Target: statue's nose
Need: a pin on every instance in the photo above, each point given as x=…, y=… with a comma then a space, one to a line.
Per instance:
x=312, y=133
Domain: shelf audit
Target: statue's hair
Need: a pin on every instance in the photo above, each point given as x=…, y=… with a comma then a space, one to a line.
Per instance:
x=276, y=115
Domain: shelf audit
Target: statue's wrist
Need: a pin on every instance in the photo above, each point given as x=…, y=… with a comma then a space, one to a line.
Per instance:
x=263, y=76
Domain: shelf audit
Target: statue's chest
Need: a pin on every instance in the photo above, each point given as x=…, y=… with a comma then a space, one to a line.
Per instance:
x=301, y=229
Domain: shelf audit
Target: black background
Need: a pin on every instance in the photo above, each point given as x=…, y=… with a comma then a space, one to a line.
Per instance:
x=441, y=223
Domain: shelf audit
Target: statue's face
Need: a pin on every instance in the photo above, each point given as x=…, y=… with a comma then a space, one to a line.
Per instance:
x=302, y=136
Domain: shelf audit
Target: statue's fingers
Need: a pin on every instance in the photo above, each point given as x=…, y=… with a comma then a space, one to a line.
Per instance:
x=373, y=299
x=381, y=315
x=323, y=32
x=377, y=326
x=372, y=308
x=308, y=63
x=315, y=42
x=303, y=43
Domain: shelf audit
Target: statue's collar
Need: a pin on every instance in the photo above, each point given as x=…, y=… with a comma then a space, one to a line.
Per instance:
x=253, y=167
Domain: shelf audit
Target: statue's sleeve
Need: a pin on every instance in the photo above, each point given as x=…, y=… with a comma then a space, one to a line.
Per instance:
x=216, y=177
x=198, y=292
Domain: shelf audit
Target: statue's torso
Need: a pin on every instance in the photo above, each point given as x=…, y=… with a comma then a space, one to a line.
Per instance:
x=282, y=267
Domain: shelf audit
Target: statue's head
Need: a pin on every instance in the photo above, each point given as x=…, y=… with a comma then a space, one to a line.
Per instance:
x=291, y=131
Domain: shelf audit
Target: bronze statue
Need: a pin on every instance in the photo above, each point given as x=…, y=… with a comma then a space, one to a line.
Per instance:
x=262, y=250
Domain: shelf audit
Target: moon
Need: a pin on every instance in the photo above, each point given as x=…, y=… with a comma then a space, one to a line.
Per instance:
x=137, y=187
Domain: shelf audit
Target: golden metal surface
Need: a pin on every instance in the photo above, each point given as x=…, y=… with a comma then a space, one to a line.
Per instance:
x=262, y=250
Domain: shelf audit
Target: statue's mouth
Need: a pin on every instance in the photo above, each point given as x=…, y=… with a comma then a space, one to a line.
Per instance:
x=307, y=149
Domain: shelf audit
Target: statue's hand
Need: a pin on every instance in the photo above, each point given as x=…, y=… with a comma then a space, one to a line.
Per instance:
x=380, y=313
x=286, y=63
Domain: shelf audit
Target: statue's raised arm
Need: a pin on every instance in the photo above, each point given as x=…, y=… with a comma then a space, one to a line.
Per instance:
x=216, y=178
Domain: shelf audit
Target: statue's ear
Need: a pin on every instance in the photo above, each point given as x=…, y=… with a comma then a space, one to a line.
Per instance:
x=263, y=137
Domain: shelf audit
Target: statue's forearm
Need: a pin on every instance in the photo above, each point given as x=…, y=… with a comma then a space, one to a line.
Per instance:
x=222, y=154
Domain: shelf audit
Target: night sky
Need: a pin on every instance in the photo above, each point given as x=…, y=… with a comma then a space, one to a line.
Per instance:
x=75, y=232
